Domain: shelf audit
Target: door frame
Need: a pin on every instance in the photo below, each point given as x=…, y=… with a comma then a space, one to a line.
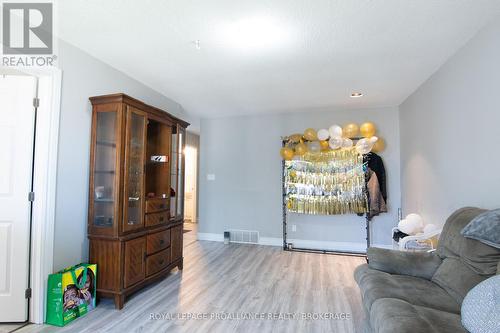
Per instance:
x=44, y=185
x=194, y=199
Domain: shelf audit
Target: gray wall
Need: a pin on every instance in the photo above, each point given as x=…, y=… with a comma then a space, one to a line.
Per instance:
x=243, y=153
x=450, y=133
x=85, y=76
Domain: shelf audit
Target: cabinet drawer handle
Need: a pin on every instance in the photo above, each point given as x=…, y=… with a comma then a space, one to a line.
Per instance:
x=161, y=219
x=162, y=241
x=162, y=206
x=161, y=262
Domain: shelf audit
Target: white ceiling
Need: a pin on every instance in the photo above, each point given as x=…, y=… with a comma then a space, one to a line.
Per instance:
x=326, y=50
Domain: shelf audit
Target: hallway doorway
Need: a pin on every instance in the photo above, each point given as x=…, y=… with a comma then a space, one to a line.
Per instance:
x=191, y=155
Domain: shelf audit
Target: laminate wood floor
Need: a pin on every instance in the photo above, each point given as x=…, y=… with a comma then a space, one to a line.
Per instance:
x=7, y=328
x=237, y=279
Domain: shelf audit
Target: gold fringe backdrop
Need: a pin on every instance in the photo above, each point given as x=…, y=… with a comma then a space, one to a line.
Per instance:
x=326, y=183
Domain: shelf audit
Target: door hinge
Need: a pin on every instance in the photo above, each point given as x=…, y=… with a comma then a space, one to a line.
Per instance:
x=36, y=102
x=27, y=293
x=31, y=196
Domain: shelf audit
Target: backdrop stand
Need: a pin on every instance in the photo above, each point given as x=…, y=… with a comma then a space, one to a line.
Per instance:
x=289, y=246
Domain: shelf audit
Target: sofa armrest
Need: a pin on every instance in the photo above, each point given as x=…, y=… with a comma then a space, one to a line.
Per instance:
x=418, y=264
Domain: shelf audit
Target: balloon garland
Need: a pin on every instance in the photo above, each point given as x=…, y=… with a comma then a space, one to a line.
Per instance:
x=331, y=139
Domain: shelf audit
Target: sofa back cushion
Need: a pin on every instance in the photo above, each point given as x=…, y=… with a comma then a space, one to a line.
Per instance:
x=481, y=258
x=466, y=262
x=456, y=278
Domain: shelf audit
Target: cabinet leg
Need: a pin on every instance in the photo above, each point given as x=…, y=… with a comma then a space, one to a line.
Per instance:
x=181, y=264
x=119, y=301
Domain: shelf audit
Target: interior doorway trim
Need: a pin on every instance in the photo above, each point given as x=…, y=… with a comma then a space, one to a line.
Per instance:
x=44, y=186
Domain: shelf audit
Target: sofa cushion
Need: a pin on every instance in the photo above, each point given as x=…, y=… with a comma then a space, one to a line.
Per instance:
x=481, y=307
x=456, y=278
x=485, y=228
x=389, y=315
x=376, y=284
x=418, y=264
x=481, y=258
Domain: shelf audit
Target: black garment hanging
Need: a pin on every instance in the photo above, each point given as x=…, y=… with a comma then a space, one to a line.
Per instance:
x=375, y=163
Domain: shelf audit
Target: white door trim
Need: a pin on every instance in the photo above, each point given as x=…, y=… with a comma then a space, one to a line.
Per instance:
x=44, y=186
x=43, y=218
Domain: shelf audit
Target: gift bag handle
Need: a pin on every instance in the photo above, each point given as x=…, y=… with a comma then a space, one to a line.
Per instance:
x=84, y=278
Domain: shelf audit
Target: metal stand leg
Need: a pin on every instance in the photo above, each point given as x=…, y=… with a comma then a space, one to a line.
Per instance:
x=285, y=234
x=368, y=240
x=283, y=203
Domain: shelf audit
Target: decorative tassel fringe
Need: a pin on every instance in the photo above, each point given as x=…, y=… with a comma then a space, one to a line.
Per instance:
x=326, y=183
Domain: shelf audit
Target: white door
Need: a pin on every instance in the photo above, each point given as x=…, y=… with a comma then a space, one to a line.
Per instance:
x=16, y=156
x=190, y=184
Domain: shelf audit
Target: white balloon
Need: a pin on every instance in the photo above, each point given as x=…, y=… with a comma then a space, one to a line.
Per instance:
x=323, y=134
x=335, y=142
x=335, y=131
x=417, y=220
x=347, y=143
x=408, y=227
x=403, y=227
x=364, y=146
x=373, y=139
x=314, y=146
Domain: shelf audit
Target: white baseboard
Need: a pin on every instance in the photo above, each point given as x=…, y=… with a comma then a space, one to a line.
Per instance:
x=210, y=237
x=300, y=243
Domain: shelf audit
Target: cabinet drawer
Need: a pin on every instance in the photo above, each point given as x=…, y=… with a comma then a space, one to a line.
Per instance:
x=156, y=205
x=156, y=218
x=157, y=262
x=158, y=241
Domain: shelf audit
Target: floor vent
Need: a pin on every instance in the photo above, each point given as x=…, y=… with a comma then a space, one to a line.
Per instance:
x=244, y=236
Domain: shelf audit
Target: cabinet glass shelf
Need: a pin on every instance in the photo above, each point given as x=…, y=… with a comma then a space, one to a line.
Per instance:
x=106, y=143
x=104, y=200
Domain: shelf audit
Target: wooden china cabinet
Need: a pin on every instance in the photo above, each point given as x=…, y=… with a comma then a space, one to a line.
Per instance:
x=136, y=189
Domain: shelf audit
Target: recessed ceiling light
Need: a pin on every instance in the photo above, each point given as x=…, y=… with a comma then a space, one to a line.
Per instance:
x=356, y=94
x=254, y=33
x=196, y=44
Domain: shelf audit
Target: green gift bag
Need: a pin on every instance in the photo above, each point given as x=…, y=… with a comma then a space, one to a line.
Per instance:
x=71, y=293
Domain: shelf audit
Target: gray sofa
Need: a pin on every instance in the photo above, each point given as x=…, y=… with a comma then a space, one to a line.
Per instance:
x=423, y=292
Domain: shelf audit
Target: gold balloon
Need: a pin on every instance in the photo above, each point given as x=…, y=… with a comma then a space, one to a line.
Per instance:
x=350, y=130
x=324, y=145
x=300, y=149
x=367, y=130
x=310, y=134
x=286, y=153
x=379, y=146
x=295, y=138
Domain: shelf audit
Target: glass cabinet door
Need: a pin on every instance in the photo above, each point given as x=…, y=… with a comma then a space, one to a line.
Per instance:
x=134, y=172
x=173, y=171
x=177, y=172
x=104, y=170
x=180, y=172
